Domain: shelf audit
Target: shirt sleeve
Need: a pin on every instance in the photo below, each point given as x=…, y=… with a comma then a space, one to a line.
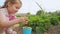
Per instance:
x=2, y=15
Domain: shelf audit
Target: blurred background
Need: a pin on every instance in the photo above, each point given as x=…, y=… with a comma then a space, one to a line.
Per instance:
x=44, y=16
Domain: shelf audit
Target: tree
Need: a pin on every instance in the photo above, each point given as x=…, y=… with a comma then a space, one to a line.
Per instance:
x=40, y=13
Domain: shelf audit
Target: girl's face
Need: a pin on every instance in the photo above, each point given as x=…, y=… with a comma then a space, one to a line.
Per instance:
x=13, y=8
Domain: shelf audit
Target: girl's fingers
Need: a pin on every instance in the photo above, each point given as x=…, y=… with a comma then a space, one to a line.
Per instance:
x=24, y=20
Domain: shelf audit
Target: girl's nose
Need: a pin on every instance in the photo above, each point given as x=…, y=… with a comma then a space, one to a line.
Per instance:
x=16, y=10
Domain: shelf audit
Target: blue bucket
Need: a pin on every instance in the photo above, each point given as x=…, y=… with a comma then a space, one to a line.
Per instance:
x=27, y=30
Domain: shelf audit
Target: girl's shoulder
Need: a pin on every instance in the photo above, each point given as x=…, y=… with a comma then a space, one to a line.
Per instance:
x=3, y=10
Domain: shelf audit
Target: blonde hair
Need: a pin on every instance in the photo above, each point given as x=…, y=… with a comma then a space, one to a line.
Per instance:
x=12, y=1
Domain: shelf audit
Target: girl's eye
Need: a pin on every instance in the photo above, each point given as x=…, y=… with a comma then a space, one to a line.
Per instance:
x=17, y=7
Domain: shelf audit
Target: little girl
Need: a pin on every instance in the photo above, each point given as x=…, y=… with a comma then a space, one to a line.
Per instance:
x=8, y=18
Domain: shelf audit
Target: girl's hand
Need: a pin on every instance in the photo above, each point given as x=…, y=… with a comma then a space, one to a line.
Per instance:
x=23, y=20
x=10, y=31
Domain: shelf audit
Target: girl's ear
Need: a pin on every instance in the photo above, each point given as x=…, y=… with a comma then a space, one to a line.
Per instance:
x=9, y=4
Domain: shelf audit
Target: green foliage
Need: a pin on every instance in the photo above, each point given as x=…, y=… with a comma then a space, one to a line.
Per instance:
x=54, y=20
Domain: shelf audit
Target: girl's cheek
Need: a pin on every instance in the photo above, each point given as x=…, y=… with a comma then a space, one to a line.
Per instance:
x=16, y=10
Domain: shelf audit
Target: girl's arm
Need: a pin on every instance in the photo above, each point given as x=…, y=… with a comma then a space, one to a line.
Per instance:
x=6, y=23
